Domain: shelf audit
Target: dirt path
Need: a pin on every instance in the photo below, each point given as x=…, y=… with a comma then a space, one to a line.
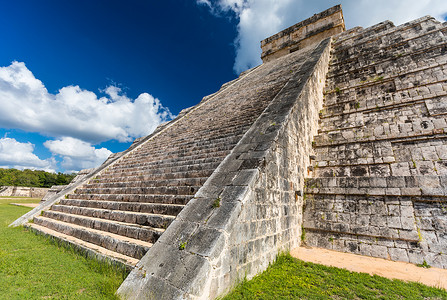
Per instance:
x=371, y=265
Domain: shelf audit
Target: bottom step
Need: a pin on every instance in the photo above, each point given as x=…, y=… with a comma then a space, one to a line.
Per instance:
x=90, y=249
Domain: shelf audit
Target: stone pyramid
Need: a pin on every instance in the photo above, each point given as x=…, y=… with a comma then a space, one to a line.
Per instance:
x=213, y=196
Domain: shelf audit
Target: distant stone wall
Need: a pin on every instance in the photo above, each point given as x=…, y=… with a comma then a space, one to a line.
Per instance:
x=20, y=191
x=55, y=189
x=249, y=209
x=303, y=34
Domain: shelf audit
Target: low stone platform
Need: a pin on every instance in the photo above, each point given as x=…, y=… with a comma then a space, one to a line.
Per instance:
x=32, y=205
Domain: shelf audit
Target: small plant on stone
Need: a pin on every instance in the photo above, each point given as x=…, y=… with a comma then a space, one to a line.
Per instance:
x=337, y=90
x=424, y=265
x=357, y=105
x=165, y=225
x=216, y=203
x=419, y=235
x=331, y=239
x=303, y=234
x=66, y=196
x=378, y=78
x=182, y=246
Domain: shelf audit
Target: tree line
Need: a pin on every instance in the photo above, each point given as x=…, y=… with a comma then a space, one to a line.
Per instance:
x=32, y=178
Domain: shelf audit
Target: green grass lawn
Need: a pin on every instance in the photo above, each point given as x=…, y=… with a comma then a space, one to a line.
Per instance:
x=34, y=267
x=290, y=278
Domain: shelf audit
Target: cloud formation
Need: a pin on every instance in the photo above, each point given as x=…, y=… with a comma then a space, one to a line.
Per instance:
x=77, y=154
x=259, y=19
x=20, y=156
x=75, y=112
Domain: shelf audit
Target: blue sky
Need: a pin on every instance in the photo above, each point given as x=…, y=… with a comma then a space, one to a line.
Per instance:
x=81, y=79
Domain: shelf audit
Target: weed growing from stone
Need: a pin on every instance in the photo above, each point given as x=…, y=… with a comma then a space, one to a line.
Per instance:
x=216, y=203
x=424, y=265
x=182, y=246
x=303, y=234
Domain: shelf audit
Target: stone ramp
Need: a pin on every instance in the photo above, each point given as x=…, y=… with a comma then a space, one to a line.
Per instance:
x=124, y=208
x=249, y=209
x=434, y=277
x=378, y=184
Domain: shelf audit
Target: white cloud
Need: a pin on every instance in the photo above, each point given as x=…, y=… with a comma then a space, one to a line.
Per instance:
x=204, y=2
x=77, y=154
x=26, y=104
x=20, y=156
x=259, y=19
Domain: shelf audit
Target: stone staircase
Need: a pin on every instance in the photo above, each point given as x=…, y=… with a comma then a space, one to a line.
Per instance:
x=122, y=211
x=378, y=184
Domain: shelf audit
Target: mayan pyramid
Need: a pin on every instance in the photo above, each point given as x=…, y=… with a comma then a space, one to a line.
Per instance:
x=338, y=140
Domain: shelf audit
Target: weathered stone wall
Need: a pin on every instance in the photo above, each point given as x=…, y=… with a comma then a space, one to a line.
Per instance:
x=303, y=34
x=379, y=183
x=20, y=191
x=249, y=209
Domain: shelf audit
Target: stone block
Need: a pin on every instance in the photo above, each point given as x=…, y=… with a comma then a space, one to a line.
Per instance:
x=379, y=251
x=198, y=210
x=206, y=242
x=398, y=254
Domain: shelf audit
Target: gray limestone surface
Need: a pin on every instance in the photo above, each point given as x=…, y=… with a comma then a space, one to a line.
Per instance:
x=378, y=185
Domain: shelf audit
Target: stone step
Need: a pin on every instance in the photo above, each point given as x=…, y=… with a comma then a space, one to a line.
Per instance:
x=192, y=145
x=428, y=109
x=386, y=36
x=198, y=181
x=376, y=134
x=180, y=165
x=427, y=73
x=117, y=177
x=217, y=136
x=184, y=160
x=127, y=261
x=421, y=47
x=162, y=190
x=203, y=152
x=382, y=132
x=416, y=113
x=379, y=185
x=114, y=242
x=155, y=174
x=141, y=198
x=382, y=93
x=152, y=208
x=131, y=217
x=369, y=216
x=139, y=232
x=361, y=35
